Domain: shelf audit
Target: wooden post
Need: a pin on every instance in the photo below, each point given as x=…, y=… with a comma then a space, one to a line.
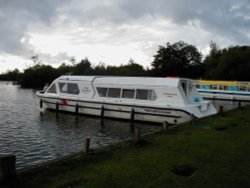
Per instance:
x=221, y=110
x=7, y=167
x=239, y=104
x=165, y=125
x=132, y=115
x=137, y=134
x=87, y=146
x=41, y=103
x=102, y=111
x=57, y=106
x=194, y=120
x=77, y=108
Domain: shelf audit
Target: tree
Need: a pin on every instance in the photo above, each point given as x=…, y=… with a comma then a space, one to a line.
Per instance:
x=10, y=75
x=64, y=69
x=179, y=59
x=240, y=63
x=211, y=61
x=100, y=69
x=83, y=68
x=37, y=75
x=131, y=69
x=229, y=64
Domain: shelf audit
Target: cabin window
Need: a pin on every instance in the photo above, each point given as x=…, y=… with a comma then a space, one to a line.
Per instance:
x=73, y=89
x=128, y=93
x=69, y=88
x=214, y=87
x=52, y=89
x=243, y=88
x=197, y=86
x=63, y=87
x=233, y=88
x=114, y=92
x=220, y=87
x=204, y=86
x=144, y=94
x=102, y=92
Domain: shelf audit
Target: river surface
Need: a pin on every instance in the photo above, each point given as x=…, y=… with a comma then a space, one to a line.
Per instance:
x=36, y=138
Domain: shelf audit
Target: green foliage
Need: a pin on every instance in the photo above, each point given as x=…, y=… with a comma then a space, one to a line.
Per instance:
x=10, y=75
x=178, y=59
x=211, y=61
x=228, y=64
x=130, y=69
x=82, y=68
x=37, y=75
x=64, y=69
x=101, y=69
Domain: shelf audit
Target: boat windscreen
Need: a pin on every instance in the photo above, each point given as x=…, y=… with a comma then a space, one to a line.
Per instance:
x=184, y=87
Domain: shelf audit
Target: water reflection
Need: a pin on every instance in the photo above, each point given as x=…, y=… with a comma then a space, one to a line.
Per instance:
x=227, y=104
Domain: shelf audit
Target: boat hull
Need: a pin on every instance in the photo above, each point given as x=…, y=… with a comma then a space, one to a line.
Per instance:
x=225, y=95
x=117, y=110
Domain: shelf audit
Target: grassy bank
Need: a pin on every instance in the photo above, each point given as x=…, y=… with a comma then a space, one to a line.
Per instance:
x=215, y=153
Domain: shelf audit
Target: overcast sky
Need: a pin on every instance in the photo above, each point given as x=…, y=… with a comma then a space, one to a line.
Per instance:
x=113, y=31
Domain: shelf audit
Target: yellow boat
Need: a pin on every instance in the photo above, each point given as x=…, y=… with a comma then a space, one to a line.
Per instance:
x=230, y=90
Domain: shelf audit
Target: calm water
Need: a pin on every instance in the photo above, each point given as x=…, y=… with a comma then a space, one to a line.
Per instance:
x=36, y=138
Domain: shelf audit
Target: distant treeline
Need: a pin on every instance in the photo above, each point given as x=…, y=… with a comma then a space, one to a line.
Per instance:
x=178, y=59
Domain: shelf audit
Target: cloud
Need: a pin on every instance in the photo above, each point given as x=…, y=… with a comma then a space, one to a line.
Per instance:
x=226, y=21
x=15, y=19
x=141, y=25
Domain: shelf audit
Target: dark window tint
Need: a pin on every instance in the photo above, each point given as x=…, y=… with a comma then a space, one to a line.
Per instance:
x=102, y=92
x=114, y=92
x=52, y=89
x=128, y=93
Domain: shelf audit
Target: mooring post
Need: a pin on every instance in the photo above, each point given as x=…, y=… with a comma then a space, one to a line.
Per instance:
x=57, y=106
x=102, y=111
x=132, y=115
x=165, y=125
x=239, y=104
x=137, y=134
x=76, y=108
x=194, y=120
x=41, y=103
x=87, y=146
x=7, y=167
x=221, y=110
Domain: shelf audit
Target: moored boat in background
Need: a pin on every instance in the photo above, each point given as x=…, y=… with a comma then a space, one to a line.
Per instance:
x=172, y=100
x=227, y=90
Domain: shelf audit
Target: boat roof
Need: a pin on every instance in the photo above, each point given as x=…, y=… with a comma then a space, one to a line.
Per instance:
x=123, y=80
x=77, y=78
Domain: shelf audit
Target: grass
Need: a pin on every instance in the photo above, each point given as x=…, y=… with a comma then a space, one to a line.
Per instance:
x=214, y=153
